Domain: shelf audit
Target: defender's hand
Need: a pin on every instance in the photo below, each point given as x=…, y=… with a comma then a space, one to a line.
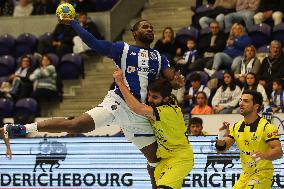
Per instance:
x=118, y=76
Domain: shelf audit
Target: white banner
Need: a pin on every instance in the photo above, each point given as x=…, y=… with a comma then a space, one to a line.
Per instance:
x=110, y=162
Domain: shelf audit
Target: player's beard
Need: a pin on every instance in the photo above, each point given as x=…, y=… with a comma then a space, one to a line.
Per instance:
x=246, y=112
x=146, y=38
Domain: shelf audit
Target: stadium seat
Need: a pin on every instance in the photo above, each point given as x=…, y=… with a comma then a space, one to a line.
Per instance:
x=263, y=49
x=218, y=75
x=54, y=59
x=7, y=65
x=7, y=44
x=25, y=110
x=203, y=8
x=26, y=43
x=278, y=33
x=260, y=34
x=6, y=107
x=185, y=33
x=71, y=66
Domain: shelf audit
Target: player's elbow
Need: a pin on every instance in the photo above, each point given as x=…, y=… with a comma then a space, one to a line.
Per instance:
x=138, y=110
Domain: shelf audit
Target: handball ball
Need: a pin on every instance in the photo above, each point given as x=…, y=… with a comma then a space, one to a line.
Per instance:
x=66, y=10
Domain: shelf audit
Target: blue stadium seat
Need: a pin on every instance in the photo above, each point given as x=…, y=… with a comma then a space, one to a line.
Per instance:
x=7, y=44
x=71, y=66
x=278, y=33
x=26, y=43
x=54, y=59
x=186, y=33
x=260, y=34
x=7, y=65
x=6, y=107
x=28, y=105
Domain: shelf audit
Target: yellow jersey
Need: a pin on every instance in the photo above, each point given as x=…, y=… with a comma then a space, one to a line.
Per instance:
x=171, y=132
x=252, y=138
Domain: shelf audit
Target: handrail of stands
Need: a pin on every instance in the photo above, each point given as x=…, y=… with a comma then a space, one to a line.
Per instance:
x=111, y=23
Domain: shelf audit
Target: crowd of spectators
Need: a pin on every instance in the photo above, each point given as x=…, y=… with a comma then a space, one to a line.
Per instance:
x=219, y=64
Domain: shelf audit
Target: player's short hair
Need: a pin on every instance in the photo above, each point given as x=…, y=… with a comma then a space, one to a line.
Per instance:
x=194, y=77
x=83, y=13
x=256, y=97
x=136, y=25
x=161, y=86
x=196, y=120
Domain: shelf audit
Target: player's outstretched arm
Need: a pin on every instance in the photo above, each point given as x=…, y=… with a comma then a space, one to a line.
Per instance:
x=7, y=143
x=131, y=101
x=224, y=141
x=101, y=46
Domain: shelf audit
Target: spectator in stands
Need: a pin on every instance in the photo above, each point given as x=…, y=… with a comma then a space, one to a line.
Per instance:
x=190, y=55
x=251, y=83
x=61, y=42
x=6, y=8
x=208, y=46
x=199, y=3
x=218, y=12
x=227, y=96
x=277, y=100
x=201, y=106
x=236, y=43
x=24, y=8
x=249, y=63
x=90, y=26
x=245, y=11
x=44, y=7
x=85, y=6
x=270, y=9
x=167, y=45
x=44, y=79
x=21, y=86
x=195, y=127
x=272, y=67
x=195, y=81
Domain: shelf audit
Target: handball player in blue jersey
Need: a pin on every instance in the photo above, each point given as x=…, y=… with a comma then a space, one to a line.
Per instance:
x=141, y=65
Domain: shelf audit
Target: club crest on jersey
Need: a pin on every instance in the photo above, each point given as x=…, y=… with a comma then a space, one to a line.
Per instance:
x=153, y=56
x=143, y=54
x=131, y=69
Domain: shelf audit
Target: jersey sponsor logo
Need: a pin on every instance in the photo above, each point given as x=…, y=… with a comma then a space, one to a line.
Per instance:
x=143, y=54
x=274, y=134
x=131, y=69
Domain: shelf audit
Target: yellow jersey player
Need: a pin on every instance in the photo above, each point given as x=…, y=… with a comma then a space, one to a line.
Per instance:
x=174, y=151
x=257, y=140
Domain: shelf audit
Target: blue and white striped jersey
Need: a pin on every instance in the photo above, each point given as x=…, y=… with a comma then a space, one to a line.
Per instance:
x=140, y=67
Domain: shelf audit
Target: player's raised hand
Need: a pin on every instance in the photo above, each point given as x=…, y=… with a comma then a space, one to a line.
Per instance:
x=118, y=76
x=63, y=20
x=223, y=131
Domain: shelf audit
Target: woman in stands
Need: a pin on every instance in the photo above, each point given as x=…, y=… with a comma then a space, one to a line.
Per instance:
x=249, y=63
x=166, y=45
x=227, y=96
x=251, y=83
x=21, y=85
x=44, y=80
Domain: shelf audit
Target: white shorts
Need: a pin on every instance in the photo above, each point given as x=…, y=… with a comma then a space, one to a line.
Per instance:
x=136, y=128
